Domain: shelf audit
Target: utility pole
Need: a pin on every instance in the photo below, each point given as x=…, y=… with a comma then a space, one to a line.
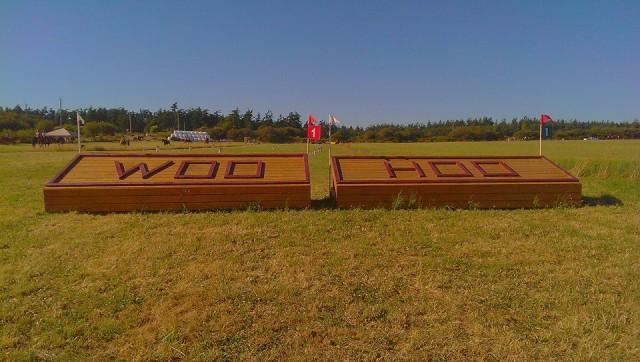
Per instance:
x=130, y=130
x=60, y=110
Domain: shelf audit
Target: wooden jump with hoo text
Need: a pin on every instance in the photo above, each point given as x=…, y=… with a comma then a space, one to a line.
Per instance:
x=459, y=182
x=155, y=182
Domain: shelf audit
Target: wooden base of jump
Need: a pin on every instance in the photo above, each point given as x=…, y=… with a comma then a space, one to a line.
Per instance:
x=153, y=182
x=459, y=182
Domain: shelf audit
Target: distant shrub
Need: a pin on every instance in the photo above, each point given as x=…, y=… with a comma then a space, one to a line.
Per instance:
x=25, y=135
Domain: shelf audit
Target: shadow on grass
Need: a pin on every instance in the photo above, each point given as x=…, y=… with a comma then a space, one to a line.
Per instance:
x=604, y=200
x=329, y=203
x=324, y=203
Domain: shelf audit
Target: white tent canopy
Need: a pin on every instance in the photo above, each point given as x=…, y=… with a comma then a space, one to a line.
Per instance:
x=61, y=133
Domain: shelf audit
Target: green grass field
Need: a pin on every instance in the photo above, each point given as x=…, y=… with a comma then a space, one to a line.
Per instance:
x=326, y=284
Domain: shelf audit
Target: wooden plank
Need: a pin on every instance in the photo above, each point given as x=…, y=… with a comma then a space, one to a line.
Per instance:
x=110, y=199
x=449, y=188
x=175, y=190
x=462, y=197
x=175, y=206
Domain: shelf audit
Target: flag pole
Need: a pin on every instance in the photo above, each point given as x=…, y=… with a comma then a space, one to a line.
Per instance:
x=543, y=118
x=332, y=121
x=78, y=122
x=330, y=124
x=540, y=138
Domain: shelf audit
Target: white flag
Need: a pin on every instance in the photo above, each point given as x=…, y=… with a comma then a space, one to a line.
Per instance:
x=79, y=118
x=333, y=120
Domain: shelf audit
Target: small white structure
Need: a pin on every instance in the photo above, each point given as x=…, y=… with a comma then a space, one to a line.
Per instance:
x=193, y=136
x=61, y=132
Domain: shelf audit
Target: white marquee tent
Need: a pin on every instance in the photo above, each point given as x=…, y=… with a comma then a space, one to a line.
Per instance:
x=61, y=133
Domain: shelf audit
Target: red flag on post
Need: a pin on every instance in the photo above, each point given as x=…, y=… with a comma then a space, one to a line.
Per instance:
x=313, y=132
x=544, y=118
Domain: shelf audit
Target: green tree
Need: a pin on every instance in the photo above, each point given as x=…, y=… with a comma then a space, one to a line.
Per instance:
x=45, y=125
x=247, y=119
x=267, y=121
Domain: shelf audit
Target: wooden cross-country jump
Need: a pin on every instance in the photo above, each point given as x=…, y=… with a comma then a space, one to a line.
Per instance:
x=152, y=182
x=483, y=182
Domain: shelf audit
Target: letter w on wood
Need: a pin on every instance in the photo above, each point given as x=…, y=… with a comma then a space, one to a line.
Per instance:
x=144, y=170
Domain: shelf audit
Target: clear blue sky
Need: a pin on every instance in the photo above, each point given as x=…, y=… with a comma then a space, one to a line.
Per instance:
x=364, y=62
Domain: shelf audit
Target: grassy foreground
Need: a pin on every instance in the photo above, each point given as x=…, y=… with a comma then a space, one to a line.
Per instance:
x=326, y=284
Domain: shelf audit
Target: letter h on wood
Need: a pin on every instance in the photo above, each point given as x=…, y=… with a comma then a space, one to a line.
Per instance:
x=391, y=171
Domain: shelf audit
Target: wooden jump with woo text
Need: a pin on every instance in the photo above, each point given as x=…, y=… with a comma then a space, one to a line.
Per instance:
x=459, y=182
x=153, y=182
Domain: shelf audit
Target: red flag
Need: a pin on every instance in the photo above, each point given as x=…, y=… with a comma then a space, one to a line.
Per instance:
x=312, y=119
x=313, y=132
x=544, y=118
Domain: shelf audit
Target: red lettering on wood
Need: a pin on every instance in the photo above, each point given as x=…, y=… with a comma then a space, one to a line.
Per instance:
x=510, y=171
x=144, y=170
x=391, y=171
x=180, y=173
x=463, y=168
x=231, y=166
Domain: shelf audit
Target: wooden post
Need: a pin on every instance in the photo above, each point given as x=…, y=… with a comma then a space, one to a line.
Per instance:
x=540, y=138
x=330, y=183
x=78, y=122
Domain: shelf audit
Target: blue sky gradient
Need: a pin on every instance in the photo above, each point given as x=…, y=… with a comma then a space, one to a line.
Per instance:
x=365, y=62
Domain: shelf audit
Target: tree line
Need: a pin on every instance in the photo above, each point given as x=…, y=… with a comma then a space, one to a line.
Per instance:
x=20, y=124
